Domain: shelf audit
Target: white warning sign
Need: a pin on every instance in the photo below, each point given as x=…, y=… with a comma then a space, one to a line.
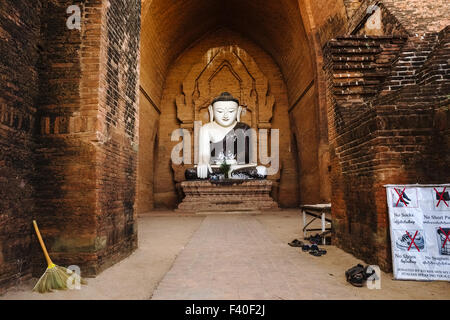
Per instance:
x=419, y=218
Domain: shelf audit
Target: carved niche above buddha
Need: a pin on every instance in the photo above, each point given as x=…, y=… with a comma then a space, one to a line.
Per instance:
x=230, y=69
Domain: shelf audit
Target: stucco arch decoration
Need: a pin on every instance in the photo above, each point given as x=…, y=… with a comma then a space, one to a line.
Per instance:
x=253, y=92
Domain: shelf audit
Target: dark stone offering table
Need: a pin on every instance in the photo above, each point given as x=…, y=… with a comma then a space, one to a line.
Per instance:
x=227, y=195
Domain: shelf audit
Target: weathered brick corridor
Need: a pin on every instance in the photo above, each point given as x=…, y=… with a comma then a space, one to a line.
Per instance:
x=361, y=98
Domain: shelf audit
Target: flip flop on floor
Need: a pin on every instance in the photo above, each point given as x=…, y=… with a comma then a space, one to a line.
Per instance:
x=296, y=243
x=315, y=253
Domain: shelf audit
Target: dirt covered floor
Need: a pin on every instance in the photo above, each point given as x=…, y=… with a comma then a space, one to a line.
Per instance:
x=230, y=256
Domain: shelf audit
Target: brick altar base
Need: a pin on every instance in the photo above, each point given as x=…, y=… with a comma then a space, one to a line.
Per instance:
x=227, y=195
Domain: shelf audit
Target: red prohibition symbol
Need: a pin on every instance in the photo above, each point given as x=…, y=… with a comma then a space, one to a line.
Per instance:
x=446, y=236
x=412, y=240
x=441, y=197
x=400, y=197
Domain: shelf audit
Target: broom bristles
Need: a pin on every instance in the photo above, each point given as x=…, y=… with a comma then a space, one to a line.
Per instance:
x=55, y=278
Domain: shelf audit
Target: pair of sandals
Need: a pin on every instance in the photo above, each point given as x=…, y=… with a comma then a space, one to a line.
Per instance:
x=314, y=250
x=296, y=243
x=317, y=239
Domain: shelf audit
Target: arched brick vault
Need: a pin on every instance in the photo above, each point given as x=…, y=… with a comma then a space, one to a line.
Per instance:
x=68, y=113
x=334, y=115
x=169, y=27
x=242, y=68
x=291, y=32
x=70, y=118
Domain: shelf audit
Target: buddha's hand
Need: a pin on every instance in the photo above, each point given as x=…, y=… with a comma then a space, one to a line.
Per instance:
x=203, y=169
x=262, y=171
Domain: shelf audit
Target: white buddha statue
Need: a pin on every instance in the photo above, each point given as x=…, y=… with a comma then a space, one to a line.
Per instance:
x=225, y=139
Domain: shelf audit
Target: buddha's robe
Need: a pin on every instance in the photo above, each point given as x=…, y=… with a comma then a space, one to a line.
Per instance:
x=236, y=143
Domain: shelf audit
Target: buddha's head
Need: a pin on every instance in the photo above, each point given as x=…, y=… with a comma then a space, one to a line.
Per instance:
x=225, y=110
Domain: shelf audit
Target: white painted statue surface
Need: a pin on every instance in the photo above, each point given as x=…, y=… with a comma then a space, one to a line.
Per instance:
x=219, y=141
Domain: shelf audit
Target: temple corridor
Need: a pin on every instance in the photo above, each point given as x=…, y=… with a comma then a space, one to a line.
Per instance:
x=97, y=106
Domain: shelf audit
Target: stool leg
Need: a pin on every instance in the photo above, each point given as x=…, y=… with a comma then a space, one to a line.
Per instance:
x=304, y=223
x=323, y=227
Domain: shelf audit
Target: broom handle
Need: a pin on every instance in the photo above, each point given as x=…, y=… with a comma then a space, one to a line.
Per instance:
x=47, y=257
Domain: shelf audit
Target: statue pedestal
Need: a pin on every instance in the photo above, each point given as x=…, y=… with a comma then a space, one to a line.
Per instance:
x=227, y=195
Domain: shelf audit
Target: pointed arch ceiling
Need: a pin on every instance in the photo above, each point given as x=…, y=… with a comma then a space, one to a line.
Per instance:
x=170, y=26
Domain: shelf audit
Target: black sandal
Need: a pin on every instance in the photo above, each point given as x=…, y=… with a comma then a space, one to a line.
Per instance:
x=356, y=275
x=316, y=239
x=296, y=243
x=315, y=253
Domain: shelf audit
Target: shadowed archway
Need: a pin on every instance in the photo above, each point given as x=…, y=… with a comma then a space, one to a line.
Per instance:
x=172, y=29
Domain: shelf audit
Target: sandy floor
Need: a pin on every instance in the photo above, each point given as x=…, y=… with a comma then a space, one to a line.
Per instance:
x=287, y=227
x=160, y=241
x=164, y=236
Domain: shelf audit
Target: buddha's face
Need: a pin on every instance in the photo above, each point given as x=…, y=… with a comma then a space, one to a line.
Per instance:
x=225, y=112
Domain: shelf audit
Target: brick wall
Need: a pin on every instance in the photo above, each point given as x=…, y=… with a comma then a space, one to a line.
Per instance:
x=418, y=16
x=148, y=152
x=352, y=7
x=65, y=155
x=19, y=36
x=361, y=67
x=380, y=134
x=65, y=175
x=68, y=134
x=397, y=16
x=118, y=114
x=304, y=125
x=373, y=18
x=410, y=69
x=88, y=134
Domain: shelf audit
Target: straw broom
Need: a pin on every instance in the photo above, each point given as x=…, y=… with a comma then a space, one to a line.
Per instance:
x=55, y=277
